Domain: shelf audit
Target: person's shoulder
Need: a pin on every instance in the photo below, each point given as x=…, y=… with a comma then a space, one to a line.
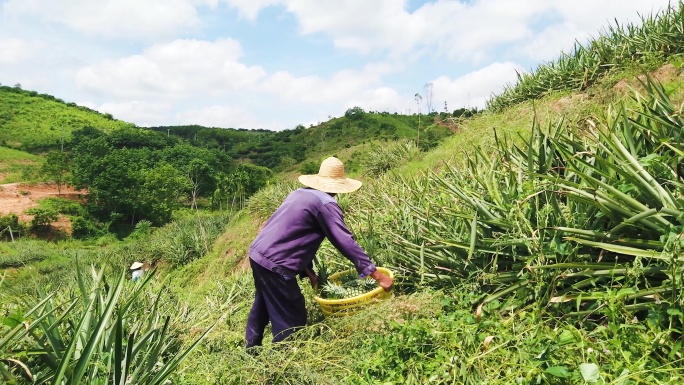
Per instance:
x=316, y=195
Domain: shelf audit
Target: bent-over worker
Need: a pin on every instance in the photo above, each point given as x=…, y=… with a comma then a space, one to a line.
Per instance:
x=287, y=244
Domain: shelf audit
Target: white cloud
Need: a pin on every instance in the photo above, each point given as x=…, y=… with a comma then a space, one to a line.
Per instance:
x=132, y=19
x=219, y=116
x=160, y=63
x=177, y=70
x=143, y=113
x=459, y=30
x=548, y=43
x=475, y=88
x=341, y=86
x=250, y=8
x=15, y=50
x=382, y=99
x=465, y=31
x=591, y=15
x=581, y=20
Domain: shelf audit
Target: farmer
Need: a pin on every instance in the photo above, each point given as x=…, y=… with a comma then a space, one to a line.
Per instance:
x=286, y=246
x=137, y=271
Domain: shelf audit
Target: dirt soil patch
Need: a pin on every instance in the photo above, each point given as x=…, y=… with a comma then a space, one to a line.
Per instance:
x=16, y=198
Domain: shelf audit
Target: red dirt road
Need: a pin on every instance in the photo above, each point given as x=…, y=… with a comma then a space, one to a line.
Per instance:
x=16, y=198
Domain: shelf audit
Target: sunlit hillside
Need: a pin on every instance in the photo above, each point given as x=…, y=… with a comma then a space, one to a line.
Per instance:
x=35, y=122
x=538, y=243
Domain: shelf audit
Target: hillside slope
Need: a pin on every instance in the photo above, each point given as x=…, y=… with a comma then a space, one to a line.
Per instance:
x=37, y=122
x=414, y=334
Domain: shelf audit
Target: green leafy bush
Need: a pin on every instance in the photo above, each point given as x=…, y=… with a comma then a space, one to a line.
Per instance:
x=10, y=227
x=42, y=219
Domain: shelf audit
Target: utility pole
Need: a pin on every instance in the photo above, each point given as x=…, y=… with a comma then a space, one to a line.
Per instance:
x=418, y=100
x=428, y=97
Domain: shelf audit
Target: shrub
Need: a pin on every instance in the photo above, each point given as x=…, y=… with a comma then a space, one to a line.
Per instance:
x=25, y=252
x=10, y=227
x=42, y=219
x=384, y=158
x=185, y=239
x=267, y=200
x=83, y=227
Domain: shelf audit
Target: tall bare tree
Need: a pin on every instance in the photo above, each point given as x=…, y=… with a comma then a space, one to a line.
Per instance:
x=418, y=100
x=428, y=98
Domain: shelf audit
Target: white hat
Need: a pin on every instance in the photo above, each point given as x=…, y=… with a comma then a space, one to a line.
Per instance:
x=136, y=265
x=330, y=178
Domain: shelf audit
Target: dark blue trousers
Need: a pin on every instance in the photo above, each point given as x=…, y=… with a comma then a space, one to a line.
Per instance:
x=278, y=300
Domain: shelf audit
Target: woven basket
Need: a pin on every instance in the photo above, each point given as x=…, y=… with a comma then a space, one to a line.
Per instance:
x=348, y=306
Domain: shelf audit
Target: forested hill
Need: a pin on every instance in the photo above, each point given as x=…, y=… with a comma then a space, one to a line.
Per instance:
x=280, y=149
x=133, y=173
x=35, y=122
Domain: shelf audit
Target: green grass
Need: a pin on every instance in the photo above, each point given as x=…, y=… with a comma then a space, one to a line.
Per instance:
x=423, y=335
x=35, y=123
x=18, y=166
x=427, y=336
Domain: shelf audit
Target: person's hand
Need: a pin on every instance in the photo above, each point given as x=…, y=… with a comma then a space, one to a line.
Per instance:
x=313, y=278
x=385, y=281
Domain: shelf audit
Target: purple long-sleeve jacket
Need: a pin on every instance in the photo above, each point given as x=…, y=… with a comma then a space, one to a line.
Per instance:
x=289, y=240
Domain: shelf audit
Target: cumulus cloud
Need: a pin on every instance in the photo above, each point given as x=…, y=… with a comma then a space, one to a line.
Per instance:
x=219, y=116
x=174, y=70
x=160, y=62
x=581, y=20
x=468, y=31
x=143, y=113
x=15, y=50
x=131, y=19
x=249, y=9
x=341, y=86
x=475, y=88
x=383, y=99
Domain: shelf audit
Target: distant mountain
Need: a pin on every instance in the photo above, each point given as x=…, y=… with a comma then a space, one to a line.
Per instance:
x=280, y=149
x=35, y=122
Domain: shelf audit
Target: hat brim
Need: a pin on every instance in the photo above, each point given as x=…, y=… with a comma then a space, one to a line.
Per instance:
x=330, y=185
x=136, y=265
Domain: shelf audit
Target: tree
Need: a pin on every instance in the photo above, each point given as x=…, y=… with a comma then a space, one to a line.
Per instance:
x=201, y=166
x=42, y=219
x=56, y=168
x=163, y=187
x=197, y=172
x=354, y=113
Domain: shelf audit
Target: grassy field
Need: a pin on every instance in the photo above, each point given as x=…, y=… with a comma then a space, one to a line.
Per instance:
x=541, y=244
x=31, y=122
x=426, y=333
x=18, y=166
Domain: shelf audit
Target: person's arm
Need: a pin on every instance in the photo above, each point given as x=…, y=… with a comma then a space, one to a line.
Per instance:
x=332, y=222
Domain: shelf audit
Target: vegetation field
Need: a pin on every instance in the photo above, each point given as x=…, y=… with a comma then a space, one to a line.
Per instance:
x=539, y=242
x=35, y=122
x=16, y=166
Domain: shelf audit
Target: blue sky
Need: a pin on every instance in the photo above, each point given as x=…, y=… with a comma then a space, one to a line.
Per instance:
x=275, y=64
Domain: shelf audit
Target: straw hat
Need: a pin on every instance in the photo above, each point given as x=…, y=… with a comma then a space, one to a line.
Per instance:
x=330, y=178
x=136, y=265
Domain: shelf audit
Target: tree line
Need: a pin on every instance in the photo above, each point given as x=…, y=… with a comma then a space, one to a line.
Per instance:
x=134, y=174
